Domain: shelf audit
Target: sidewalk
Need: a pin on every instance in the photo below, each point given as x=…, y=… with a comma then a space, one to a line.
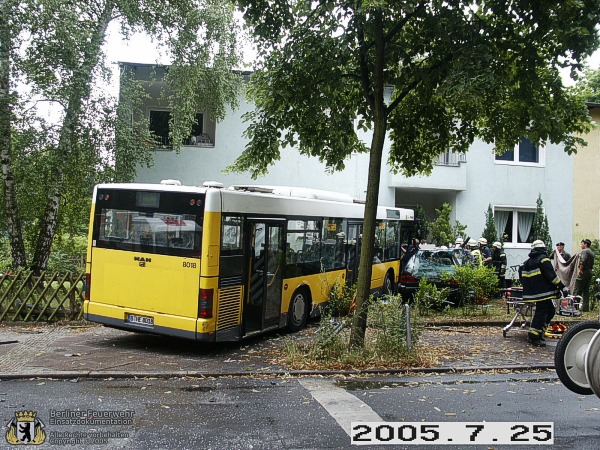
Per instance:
x=73, y=351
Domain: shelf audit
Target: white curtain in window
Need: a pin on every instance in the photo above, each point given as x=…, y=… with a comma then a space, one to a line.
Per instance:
x=524, y=219
x=500, y=220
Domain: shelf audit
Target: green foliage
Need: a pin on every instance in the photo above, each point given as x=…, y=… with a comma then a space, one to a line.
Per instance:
x=459, y=230
x=5, y=258
x=68, y=253
x=386, y=340
x=539, y=227
x=473, y=76
x=339, y=300
x=329, y=341
x=489, y=232
x=591, y=84
x=441, y=230
x=388, y=320
x=422, y=231
x=477, y=284
x=594, y=286
x=132, y=137
x=53, y=50
x=429, y=298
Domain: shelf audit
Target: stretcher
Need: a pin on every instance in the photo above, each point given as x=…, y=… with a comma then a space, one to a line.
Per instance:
x=521, y=310
x=569, y=305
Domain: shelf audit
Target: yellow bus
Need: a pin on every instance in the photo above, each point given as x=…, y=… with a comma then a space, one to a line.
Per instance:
x=213, y=264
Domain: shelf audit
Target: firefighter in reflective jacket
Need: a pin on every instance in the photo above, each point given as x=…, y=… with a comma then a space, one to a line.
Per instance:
x=499, y=263
x=475, y=253
x=540, y=285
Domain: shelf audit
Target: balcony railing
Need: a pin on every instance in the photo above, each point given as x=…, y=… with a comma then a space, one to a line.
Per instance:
x=451, y=159
x=203, y=140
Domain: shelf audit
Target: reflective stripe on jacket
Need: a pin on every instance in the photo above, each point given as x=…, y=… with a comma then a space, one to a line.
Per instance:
x=499, y=261
x=477, y=259
x=538, y=277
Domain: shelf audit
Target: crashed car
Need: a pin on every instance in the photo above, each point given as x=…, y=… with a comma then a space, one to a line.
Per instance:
x=429, y=264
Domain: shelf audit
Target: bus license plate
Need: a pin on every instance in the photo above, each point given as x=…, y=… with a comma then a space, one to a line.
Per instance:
x=140, y=320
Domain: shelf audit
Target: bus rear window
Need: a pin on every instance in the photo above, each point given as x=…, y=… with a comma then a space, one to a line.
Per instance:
x=146, y=229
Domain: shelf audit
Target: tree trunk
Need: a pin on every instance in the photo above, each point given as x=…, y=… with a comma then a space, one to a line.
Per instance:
x=82, y=79
x=363, y=288
x=13, y=220
x=365, y=269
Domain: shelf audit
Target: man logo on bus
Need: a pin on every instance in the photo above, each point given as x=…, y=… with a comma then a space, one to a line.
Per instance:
x=25, y=429
x=142, y=260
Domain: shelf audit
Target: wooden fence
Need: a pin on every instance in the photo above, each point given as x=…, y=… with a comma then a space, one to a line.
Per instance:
x=44, y=298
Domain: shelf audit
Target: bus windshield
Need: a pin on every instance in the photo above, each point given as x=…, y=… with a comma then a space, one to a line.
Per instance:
x=147, y=227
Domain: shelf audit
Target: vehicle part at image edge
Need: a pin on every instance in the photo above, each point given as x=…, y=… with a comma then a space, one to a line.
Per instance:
x=569, y=358
x=592, y=363
x=298, y=314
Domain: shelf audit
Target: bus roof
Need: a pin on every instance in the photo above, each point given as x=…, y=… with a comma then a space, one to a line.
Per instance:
x=291, y=200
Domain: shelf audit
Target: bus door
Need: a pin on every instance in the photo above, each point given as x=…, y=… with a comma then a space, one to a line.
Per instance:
x=353, y=252
x=262, y=305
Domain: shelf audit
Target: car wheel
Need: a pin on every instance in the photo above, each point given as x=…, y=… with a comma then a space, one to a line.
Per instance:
x=569, y=358
x=298, y=312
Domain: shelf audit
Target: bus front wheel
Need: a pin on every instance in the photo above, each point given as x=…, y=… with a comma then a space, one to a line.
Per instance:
x=298, y=313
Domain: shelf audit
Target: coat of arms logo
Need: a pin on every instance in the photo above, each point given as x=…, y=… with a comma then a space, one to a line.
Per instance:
x=25, y=429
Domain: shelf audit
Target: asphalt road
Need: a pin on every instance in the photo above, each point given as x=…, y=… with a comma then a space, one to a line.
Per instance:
x=293, y=412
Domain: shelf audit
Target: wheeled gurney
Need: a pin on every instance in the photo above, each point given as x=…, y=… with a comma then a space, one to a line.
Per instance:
x=569, y=305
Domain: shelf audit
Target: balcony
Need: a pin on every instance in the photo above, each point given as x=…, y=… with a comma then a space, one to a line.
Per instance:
x=451, y=159
x=449, y=174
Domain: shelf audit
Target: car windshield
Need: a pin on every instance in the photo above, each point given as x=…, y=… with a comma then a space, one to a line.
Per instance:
x=430, y=264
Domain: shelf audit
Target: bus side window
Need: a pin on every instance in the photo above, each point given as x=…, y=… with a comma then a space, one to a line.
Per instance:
x=231, y=236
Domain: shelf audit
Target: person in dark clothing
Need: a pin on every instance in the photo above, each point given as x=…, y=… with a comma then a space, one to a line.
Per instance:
x=499, y=263
x=486, y=253
x=540, y=285
x=408, y=252
x=584, y=273
x=560, y=249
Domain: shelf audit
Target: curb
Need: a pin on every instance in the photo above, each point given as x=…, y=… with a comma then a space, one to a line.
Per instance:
x=497, y=323
x=273, y=373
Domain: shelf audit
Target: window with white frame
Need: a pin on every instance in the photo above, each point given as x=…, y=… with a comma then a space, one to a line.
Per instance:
x=160, y=127
x=514, y=224
x=524, y=153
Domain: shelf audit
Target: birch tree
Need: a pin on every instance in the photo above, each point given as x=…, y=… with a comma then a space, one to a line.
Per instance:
x=61, y=59
x=9, y=30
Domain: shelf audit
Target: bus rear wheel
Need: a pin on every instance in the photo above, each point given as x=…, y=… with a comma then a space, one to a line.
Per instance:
x=298, y=313
x=388, y=284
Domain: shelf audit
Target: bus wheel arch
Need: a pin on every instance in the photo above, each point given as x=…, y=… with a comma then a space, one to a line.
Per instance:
x=299, y=308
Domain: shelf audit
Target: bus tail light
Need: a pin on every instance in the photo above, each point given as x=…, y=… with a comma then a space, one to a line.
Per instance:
x=205, y=303
x=87, y=285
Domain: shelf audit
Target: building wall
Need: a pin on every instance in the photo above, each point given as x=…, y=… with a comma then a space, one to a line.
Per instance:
x=518, y=187
x=194, y=165
x=586, y=186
